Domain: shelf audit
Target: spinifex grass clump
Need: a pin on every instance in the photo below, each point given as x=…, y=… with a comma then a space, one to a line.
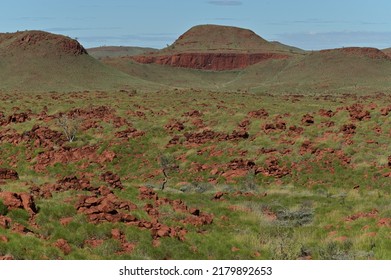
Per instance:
x=3, y=208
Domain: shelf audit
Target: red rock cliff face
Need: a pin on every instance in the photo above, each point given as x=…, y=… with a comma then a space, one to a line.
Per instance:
x=209, y=61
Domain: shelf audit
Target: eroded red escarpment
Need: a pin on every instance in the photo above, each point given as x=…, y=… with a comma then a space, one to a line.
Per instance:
x=209, y=61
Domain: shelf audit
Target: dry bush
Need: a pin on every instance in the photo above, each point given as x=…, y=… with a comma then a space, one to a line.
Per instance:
x=70, y=126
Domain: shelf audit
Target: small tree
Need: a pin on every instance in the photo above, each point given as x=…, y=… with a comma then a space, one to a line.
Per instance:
x=69, y=126
x=167, y=164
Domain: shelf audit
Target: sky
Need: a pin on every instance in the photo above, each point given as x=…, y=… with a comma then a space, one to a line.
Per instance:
x=307, y=24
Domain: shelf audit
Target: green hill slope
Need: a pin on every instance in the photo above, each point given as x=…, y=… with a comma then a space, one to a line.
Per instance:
x=173, y=76
x=40, y=61
x=348, y=68
x=337, y=69
x=387, y=51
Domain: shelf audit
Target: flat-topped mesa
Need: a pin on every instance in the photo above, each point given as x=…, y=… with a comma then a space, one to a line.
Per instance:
x=218, y=38
x=39, y=43
x=215, y=47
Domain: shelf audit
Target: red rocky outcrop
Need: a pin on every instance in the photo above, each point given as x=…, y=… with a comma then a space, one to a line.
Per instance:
x=72, y=183
x=6, y=258
x=129, y=133
x=18, y=118
x=64, y=246
x=8, y=174
x=105, y=208
x=193, y=114
x=66, y=155
x=19, y=200
x=348, y=129
x=219, y=195
x=39, y=136
x=273, y=169
x=278, y=126
x=5, y=222
x=44, y=136
x=307, y=119
x=64, y=184
x=196, y=217
x=385, y=111
x=112, y=179
x=357, y=112
x=126, y=247
x=174, y=125
x=258, y=114
x=326, y=113
x=295, y=130
x=210, y=135
x=241, y=164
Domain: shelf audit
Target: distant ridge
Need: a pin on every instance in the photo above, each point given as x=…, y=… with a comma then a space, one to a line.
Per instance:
x=365, y=52
x=114, y=51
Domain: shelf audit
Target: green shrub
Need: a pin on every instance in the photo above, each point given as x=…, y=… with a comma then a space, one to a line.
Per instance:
x=294, y=218
x=336, y=251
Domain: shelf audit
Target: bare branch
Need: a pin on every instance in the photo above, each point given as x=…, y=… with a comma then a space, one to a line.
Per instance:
x=69, y=126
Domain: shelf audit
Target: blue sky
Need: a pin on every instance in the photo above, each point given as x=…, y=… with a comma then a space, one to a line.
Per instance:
x=306, y=24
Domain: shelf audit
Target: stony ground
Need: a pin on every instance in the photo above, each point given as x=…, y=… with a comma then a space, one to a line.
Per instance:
x=195, y=175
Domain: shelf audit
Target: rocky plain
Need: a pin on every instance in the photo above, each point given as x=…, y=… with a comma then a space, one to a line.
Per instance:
x=193, y=151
